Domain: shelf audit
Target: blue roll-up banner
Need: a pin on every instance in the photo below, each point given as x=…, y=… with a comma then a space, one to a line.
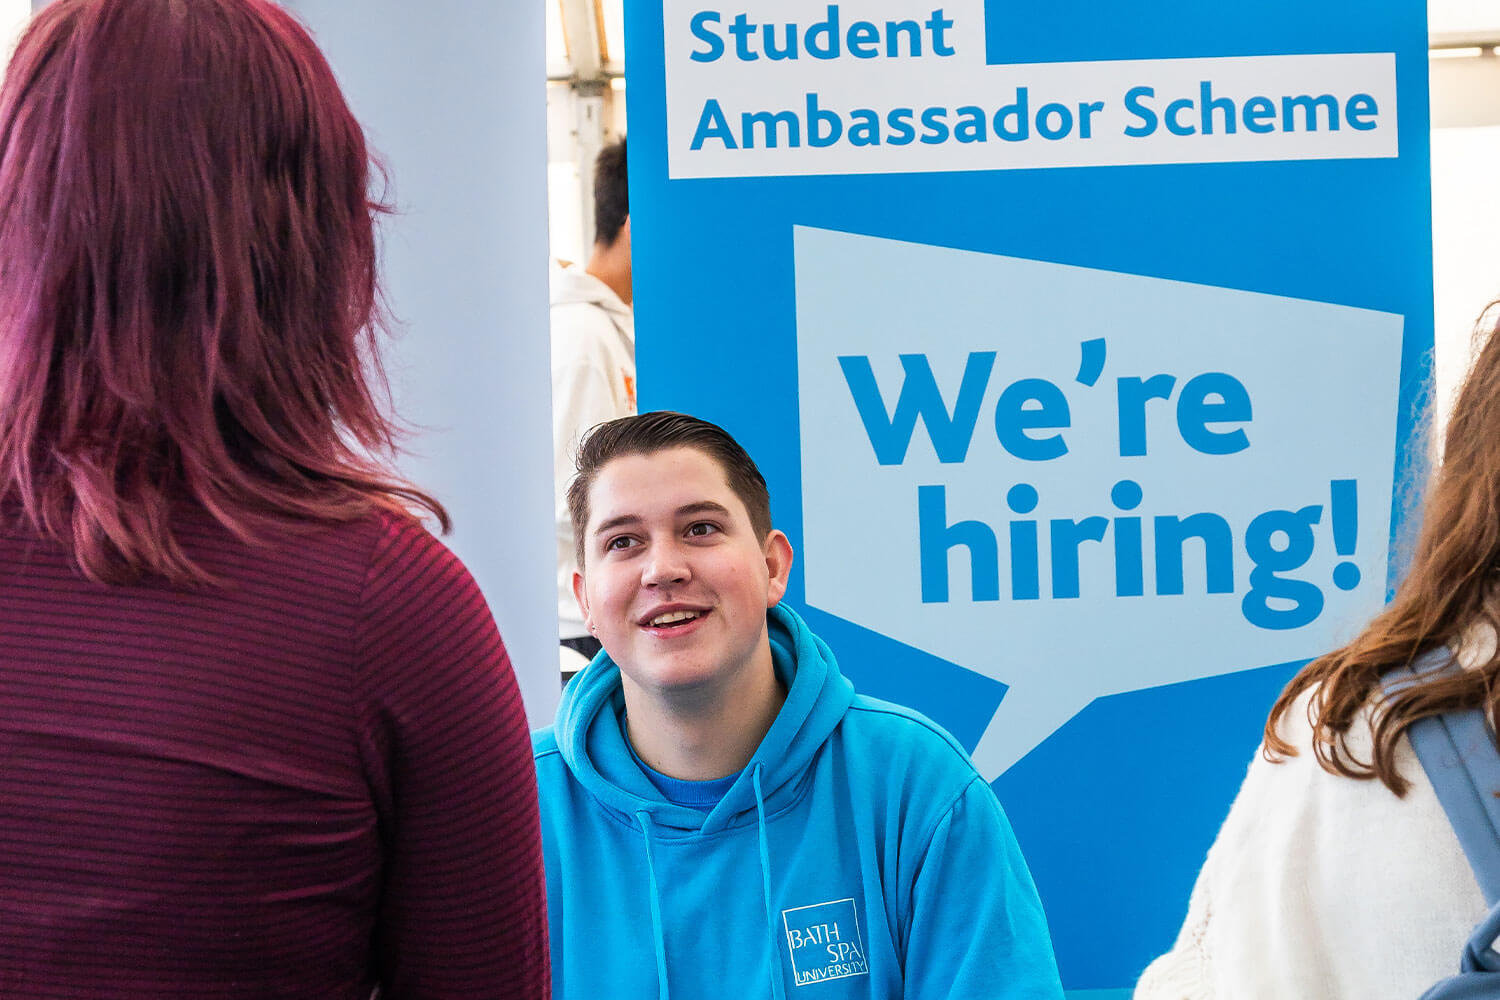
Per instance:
x=1082, y=346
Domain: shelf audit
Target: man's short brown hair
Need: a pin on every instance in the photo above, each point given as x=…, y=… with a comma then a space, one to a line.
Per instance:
x=657, y=431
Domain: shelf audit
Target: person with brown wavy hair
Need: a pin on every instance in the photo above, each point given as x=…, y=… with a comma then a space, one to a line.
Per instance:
x=259, y=735
x=1337, y=873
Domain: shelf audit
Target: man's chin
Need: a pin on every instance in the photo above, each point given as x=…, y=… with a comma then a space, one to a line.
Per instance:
x=676, y=681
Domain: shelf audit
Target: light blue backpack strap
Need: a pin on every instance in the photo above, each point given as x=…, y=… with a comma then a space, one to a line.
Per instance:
x=1459, y=755
x=1460, y=758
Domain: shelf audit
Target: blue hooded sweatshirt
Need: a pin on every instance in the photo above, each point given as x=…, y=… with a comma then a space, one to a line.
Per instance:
x=859, y=854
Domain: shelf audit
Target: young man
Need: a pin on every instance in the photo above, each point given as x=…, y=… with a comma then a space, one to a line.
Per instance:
x=722, y=816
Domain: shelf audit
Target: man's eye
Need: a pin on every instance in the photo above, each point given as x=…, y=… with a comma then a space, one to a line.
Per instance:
x=620, y=542
x=700, y=528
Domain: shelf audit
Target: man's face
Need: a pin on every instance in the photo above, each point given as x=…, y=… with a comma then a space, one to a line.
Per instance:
x=675, y=583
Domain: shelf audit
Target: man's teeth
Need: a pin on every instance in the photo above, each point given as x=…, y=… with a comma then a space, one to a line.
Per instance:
x=672, y=618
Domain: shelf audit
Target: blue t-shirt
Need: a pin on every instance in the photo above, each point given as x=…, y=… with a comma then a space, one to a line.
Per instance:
x=703, y=795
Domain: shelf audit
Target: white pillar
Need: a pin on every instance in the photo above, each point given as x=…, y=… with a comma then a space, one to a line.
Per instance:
x=452, y=96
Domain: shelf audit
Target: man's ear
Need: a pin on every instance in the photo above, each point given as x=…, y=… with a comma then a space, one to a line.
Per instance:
x=581, y=596
x=778, y=566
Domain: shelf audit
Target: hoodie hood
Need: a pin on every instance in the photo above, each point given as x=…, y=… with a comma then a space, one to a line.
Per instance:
x=590, y=735
x=858, y=852
x=573, y=285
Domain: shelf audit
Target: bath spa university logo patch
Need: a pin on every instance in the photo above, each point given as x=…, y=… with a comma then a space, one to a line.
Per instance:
x=824, y=942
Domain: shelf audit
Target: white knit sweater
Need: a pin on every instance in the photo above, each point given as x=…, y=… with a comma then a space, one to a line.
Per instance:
x=1323, y=887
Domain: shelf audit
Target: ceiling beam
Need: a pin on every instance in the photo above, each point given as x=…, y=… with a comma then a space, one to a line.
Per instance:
x=582, y=30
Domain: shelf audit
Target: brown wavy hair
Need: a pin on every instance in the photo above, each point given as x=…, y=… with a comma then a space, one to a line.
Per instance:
x=1450, y=587
x=189, y=304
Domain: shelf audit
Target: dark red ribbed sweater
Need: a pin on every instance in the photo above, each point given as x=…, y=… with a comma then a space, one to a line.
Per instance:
x=310, y=781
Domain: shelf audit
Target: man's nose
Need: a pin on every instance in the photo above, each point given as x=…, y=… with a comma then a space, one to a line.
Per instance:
x=666, y=564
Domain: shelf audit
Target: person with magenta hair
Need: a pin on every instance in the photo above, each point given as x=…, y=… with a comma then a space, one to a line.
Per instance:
x=259, y=736
x=1359, y=859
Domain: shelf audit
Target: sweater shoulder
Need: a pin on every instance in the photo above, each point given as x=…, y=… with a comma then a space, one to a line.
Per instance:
x=905, y=743
x=544, y=744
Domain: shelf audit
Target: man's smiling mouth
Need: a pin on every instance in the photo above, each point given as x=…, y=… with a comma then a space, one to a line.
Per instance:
x=672, y=619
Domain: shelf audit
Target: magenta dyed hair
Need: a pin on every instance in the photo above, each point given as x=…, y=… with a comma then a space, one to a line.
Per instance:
x=188, y=296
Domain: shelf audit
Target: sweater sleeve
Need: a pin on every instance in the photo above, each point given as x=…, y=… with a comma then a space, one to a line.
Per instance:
x=977, y=929
x=446, y=749
x=1323, y=886
x=1240, y=894
x=1185, y=972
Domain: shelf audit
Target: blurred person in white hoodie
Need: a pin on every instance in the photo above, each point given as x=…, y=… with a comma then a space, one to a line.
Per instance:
x=593, y=371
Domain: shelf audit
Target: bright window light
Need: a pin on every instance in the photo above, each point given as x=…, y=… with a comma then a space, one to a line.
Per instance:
x=13, y=17
x=557, y=45
x=1446, y=17
x=612, y=17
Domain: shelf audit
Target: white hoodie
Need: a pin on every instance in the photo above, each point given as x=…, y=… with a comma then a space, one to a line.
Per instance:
x=1326, y=888
x=593, y=380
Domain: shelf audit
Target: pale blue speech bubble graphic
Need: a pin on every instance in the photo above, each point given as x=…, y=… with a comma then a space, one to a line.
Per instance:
x=1081, y=482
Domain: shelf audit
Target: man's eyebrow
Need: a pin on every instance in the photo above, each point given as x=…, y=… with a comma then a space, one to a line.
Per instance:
x=615, y=522
x=702, y=507
x=686, y=510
